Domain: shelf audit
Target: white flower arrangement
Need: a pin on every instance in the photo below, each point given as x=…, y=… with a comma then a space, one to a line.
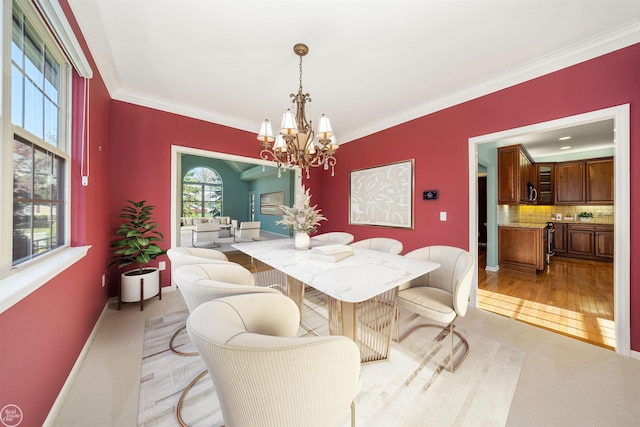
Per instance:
x=302, y=217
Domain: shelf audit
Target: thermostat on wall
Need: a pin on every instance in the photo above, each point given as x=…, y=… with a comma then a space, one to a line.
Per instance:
x=430, y=195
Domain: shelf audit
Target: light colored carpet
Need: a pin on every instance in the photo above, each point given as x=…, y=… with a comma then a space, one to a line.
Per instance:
x=413, y=388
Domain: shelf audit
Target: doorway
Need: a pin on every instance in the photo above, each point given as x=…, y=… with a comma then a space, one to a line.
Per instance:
x=620, y=266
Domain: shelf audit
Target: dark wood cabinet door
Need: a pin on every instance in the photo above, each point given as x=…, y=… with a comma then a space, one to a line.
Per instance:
x=569, y=180
x=599, y=180
x=560, y=239
x=580, y=241
x=604, y=244
x=508, y=164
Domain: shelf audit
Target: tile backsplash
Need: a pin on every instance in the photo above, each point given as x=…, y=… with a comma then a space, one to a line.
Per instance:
x=539, y=214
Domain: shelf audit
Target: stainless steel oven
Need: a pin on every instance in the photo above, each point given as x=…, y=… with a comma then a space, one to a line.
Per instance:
x=549, y=229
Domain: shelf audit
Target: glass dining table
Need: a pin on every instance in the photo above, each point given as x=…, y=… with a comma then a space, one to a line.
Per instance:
x=361, y=290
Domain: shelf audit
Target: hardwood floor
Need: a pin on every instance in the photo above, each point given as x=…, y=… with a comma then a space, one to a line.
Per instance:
x=571, y=296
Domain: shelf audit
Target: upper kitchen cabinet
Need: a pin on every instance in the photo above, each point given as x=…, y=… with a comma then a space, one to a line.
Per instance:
x=600, y=181
x=584, y=182
x=516, y=173
x=545, y=183
x=569, y=183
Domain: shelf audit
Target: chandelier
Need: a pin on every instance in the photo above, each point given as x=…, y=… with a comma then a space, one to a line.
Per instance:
x=295, y=144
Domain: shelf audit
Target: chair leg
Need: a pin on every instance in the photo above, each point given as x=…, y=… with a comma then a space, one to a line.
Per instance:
x=183, y=396
x=451, y=333
x=353, y=414
x=176, y=351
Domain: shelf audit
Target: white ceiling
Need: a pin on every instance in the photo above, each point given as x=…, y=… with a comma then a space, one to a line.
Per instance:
x=371, y=65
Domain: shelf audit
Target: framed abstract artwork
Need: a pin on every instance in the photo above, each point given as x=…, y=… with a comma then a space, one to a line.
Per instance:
x=382, y=195
x=270, y=203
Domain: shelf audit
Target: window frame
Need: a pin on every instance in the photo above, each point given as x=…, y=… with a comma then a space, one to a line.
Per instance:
x=17, y=282
x=203, y=186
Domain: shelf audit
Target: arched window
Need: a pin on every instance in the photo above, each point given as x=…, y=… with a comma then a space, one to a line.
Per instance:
x=202, y=193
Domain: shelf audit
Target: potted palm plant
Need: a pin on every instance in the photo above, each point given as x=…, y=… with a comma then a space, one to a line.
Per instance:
x=136, y=244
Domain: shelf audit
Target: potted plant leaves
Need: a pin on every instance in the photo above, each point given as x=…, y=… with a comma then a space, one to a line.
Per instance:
x=585, y=216
x=136, y=244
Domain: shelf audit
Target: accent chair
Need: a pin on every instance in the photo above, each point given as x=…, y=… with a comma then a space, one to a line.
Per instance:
x=443, y=294
x=266, y=376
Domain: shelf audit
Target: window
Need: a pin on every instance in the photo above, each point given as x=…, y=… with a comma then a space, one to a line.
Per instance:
x=35, y=154
x=202, y=193
x=40, y=157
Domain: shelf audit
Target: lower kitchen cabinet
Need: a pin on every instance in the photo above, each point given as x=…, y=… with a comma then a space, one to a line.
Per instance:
x=590, y=241
x=560, y=239
x=521, y=248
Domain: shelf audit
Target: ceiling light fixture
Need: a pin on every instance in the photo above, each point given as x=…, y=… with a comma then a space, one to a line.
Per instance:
x=565, y=148
x=295, y=145
x=564, y=138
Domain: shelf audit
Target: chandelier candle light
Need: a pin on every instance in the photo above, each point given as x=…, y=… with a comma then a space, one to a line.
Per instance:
x=295, y=145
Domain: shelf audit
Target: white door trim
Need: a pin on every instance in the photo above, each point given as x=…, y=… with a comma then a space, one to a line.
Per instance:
x=621, y=263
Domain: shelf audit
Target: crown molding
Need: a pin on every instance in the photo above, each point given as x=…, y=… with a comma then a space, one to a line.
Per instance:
x=615, y=40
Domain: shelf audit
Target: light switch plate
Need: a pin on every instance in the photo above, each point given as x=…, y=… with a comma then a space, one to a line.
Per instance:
x=443, y=216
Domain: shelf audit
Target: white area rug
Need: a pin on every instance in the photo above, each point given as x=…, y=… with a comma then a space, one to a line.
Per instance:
x=413, y=388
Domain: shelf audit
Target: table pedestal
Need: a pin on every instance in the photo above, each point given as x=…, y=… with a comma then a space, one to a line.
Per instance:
x=273, y=278
x=369, y=323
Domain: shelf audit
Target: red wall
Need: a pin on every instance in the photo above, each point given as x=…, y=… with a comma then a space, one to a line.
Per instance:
x=43, y=334
x=130, y=151
x=140, y=167
x=439, y=144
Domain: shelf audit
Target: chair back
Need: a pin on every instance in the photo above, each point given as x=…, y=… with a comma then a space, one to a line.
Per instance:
x=454, y=275
x=338, y=237
x=248, y=230
x=263, y=374
x=200, y=283
x=206, y=233
x=382, y=244
x=185, y=256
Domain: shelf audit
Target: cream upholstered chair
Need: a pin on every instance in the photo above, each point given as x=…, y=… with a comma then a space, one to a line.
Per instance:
x=200, y=283
x=338, y=237
x=443, y=294
x=207, y=232
x=249, y=230
x=187, y=256
x=266, y=376
x=382, y=244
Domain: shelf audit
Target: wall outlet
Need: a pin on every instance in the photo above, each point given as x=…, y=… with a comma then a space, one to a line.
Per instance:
x=103, y=280
x=443, y=216
x=162, y=265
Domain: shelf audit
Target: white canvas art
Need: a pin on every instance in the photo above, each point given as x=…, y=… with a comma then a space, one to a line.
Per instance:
x=382, y=195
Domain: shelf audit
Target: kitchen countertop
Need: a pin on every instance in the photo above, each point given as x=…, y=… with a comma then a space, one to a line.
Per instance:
x=524, y=225
x=544, y=224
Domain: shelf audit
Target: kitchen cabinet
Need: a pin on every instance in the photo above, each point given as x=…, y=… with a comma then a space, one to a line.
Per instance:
x=544, y=175
x=584, y=182
x=515, y=171
x=604, y=243
x=590, y=241
x=521, y=248
x=599, y=179
x=560, y=239
x=569, y=183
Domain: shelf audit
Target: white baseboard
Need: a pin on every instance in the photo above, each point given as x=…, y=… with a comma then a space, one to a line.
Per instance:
x=494, y=269
x=74, y=371
x=634, y=354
